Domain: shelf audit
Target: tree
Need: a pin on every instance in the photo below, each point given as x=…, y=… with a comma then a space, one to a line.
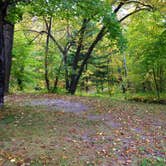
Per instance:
x=2, y=52
x=84, y=13
x=109, y=27
x=147, y=50
x=9, y=13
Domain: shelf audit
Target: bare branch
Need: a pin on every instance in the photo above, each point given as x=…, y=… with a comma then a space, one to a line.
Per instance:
x=31, y=41
x=125, y=2
x=51, y=36
x=119, y=6
x=140, y=3
x=135, y=11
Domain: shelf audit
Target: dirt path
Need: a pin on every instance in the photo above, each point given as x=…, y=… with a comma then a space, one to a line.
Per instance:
x=74, y=107
x=60, y=104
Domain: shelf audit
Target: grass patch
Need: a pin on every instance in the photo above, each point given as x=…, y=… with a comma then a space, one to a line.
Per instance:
x=7, y=119
x=151, y=162
x=44, y=136
x=147, y=98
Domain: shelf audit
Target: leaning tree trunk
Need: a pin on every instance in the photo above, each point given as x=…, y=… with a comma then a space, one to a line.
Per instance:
x=75, y=77
x=8, y=43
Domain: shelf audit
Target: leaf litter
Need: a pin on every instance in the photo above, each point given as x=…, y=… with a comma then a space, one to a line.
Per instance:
x=104, y=132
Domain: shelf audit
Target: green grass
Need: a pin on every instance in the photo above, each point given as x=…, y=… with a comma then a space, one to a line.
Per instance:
x=7, y=119
x=138, y=97
x=148, y=162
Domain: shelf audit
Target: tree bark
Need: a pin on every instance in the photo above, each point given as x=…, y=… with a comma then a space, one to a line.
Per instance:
x=3, y=9
x=66, y=70
x=8, y=43
x=48, y=27
x=2, y=63
x=77, y=55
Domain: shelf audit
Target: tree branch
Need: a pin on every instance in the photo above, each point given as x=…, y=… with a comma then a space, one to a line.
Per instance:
x=125, y=2
x=80, y=42
x=119, y=6
x=135, y=11
x=51, y=36
x=99, y=37
x=140, y=3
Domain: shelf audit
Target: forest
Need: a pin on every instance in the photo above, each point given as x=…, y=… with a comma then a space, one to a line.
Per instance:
x=74, y=47
x=98, y=66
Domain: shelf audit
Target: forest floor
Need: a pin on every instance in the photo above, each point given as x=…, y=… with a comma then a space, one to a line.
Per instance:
x=59, y=130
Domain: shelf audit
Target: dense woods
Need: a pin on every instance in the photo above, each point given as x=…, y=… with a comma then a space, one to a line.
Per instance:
x=94, y=47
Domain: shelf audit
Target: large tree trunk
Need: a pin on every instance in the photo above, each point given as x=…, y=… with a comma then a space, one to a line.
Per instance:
x=8, y=43
x=2, y=64
x=2, y=55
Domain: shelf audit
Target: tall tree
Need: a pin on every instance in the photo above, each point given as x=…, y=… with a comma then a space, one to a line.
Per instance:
x=85, y=13
x=8, y=43
x=3, y=10
x=109, y=27
x=9, y=13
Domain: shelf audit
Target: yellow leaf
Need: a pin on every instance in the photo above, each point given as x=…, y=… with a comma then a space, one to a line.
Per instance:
x=13, y=160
